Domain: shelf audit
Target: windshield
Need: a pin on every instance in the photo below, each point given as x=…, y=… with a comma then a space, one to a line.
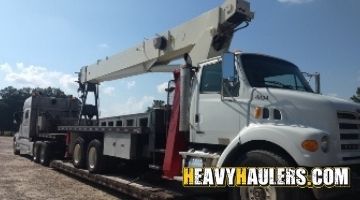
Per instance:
x=263, y=71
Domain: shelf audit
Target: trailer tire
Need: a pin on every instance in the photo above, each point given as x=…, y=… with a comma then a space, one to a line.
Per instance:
x=79, y=153
x=16, y=151
x=36, y=152
x=95, y=157
x=44, y=155
x=262, y=158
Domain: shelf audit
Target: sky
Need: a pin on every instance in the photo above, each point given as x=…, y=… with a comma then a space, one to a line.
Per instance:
x=43, y=43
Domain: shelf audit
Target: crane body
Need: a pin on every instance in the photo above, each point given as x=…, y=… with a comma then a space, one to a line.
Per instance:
x=227, y=108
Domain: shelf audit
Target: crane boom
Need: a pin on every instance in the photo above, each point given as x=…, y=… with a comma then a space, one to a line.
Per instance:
x=205, y=36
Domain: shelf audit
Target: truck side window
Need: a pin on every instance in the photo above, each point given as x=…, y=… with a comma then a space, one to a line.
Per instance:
x=27, y=114
x=130, y=122
x=119, y=123
x=211, y=78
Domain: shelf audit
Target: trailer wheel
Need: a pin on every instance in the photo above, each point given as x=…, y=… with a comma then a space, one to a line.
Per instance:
x=44, y=157
x=16, y=151
x=79, y=153
x=36, y=152
x=95, y=156
x=262, y=158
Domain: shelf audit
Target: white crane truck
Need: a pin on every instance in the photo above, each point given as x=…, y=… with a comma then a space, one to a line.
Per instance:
x=228, y=109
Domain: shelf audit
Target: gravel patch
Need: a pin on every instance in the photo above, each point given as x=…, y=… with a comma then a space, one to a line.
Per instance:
x=20, y=178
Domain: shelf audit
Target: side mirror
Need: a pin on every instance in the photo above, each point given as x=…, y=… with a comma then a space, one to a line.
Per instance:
x=317, y=83
x=228, y=66
x=17, y=117
x=230, y=79
x=316, y=75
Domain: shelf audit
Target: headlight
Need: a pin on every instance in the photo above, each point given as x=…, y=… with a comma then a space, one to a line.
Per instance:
x=195, y=162
x=324, y=143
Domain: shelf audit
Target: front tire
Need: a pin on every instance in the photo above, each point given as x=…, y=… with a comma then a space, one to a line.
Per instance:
x=262, y=158
x=16, y=151
x=95, y=156
x=44, y=158
x=36, y=152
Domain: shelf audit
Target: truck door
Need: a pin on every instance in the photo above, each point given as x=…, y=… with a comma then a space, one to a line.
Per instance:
x=25, y=125
x=215, y=120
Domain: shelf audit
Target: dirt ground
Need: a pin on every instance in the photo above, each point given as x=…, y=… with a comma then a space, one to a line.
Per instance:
x=20, y=178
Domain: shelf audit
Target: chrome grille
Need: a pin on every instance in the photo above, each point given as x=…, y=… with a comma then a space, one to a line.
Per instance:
x=349, y=126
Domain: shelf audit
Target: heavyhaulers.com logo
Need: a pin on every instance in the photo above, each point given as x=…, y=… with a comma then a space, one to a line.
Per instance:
x=267, y=176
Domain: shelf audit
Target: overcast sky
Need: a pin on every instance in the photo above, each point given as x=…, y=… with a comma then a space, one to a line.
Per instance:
x=42, y=43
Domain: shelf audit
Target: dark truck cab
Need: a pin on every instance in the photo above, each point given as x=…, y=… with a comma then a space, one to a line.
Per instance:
x=39, y=120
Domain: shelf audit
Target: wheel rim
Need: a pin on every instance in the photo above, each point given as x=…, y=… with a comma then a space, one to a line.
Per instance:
x=35, y=152
x=260, y=193
x=42, y=155
x=92, y=157
x=77, y=155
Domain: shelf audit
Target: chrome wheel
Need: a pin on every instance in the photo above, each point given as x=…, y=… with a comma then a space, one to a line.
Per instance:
x=36, y=152
x=77, y=154
x=259, y=193
x=15, y=148
x=42, y=155
x=92, y=157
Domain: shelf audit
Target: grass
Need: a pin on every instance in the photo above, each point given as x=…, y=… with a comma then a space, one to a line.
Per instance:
x=7, y=133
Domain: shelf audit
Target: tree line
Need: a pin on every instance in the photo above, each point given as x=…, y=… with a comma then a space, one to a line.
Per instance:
x=12, y=101
x=356, y=97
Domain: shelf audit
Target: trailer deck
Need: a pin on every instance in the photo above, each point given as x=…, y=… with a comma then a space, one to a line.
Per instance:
x=92, y=129
x=137, y=190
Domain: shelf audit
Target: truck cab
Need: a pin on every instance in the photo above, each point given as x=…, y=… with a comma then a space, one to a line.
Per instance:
x=246, y=103
x=40, y=117
x=253, y=98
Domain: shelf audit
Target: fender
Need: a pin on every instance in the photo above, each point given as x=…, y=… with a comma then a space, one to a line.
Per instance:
x=287, y=137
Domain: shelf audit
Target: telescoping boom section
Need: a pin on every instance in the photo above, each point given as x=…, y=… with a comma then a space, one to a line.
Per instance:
x=205, y=36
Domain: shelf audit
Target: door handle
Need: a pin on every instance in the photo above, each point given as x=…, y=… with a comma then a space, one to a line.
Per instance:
x=200, y=132
x=197, y=118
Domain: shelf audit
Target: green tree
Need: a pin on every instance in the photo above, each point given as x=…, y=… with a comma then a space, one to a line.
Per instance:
x=4, y=124
x=49, y=92
x=156, y=104
x=356, y=97
x=12, y=100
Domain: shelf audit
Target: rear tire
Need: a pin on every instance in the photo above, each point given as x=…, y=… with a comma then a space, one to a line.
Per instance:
x=95, y=157
x=262, y=158
x=44, y=156
x=79, y=153
x=36, y=152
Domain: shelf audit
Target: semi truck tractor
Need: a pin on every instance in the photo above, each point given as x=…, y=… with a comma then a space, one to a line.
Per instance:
x=227, y=109
x=38, y=135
